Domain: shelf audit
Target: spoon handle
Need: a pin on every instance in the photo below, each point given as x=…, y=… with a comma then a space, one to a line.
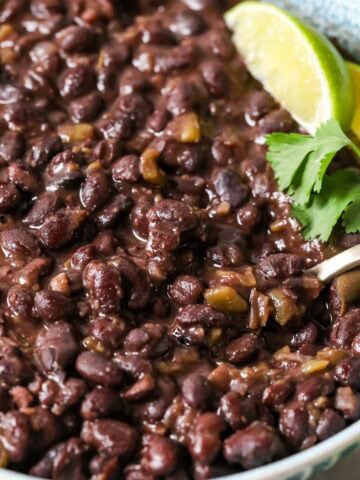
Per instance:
x=340, y=263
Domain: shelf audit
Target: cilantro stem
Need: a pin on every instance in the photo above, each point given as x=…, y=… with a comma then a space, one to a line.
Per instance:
x=355, y=149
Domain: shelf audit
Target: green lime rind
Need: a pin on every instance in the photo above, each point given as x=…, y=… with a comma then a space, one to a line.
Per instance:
x=335, y=73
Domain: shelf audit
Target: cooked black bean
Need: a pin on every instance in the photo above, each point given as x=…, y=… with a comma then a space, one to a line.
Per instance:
x=255, y=445
x=86, y=108
x=18, y=243
x=160, y=455
x=12, y=145
x=9, y=198
x=50, y=305
x=242, y=348
x=196, y=391
x=294, y=423
x=186, y=290
x=100, y=402
x=95, y=190
x=76, y=81
x=347, y=372
x=44, y=205
x=43, y=150
x=136, y=207
x=230, y=188
x=96, y=369
x=56, y=346
x=110, y=436
x=104, y=284
x=238, y=412
x=15, y=434
x=60, y=228
x=126, y=169
x=330, y=423
x=205, y=442
x=75, y=39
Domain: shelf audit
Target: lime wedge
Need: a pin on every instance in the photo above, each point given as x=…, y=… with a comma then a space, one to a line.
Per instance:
x=299, y=66
x=355, y=74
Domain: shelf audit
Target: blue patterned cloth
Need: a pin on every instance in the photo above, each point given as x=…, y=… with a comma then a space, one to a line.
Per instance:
x=338, y=19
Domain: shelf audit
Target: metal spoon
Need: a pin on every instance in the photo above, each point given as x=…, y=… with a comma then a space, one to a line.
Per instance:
x=340, y=263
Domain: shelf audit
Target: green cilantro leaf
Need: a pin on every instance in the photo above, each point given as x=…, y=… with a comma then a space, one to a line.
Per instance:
x=319, y=200
x=300, y=161
x=340, y=192
x=351, y=218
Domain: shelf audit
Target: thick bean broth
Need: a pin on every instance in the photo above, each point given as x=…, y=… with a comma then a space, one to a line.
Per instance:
x=155, y=318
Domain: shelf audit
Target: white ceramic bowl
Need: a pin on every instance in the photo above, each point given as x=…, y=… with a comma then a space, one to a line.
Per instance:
x=296, y=467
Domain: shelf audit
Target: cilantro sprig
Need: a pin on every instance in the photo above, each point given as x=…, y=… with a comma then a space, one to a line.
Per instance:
x=319, y=200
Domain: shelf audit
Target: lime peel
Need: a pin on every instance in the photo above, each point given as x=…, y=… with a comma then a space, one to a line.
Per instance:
x=297, y=65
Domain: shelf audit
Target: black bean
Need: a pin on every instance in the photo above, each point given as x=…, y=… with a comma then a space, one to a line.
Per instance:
x=44, y=205
x=87, y=108
x=279, y=266
x=75, y=39
x=109, y=330
x=230, y=188
x=345, y=328
x=126, y=169
x=12, y=146
x=50, y=305
x=45, y=428
x=294, y=423
x=56, y=346
x=160, y=455
x=259, y=104
x=330, y=423
x=276, y=121
x=256, y=445
x=95, y=190
x=278, y=392
x=306, y=335
x=136, y=106
x=63, y=460
x=242, y=348
x=347, y=372
x=9, y=198
x=186, y=290
x=100, y=402
x=196, y=391
x=15, y=434
x=216, y=77
x=156, y=34
x=238, y=412
x=355, y=345
x=76, y=81
x=108, y=150
x=121, y=128
x=187, y=23
x=104, y=284
x=97, y=369
x=18, y=243
x=248, y=217
x=205, y=441
x=20, y=300
x=110, y=436
x=23, y=178
x=60, y=228
x=313, y=387
x=348, y=403
x=14, y=368
x=43, y=150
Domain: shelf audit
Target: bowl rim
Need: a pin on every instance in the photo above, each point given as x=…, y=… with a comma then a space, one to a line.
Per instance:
x=298, y=462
